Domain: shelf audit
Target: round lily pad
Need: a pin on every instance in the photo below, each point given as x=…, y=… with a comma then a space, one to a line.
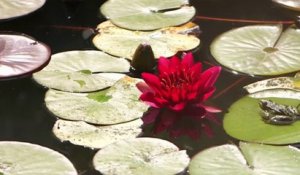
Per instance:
x=117, y=104
x=81, y=133
x=138, y=156
x=123, y=43
x=15, y=8
x=80, y=71
x=18, y=158
x=21, y=55
x=244, y=122
x=259, y=49
x=289, y=4
x=147, y=14
x=247, y=159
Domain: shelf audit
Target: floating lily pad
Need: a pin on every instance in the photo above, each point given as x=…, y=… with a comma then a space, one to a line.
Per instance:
x=259, y=49
x=138, y=156
x=15, y=8
x=147, y=14
x=18, y=158
x=248, y=159
x=274, y=83
x=79, y=71
x=290, y=4
x=118, y=104
x=81, y=133
x=21, y=55
x=244, y=122
x=123, y=43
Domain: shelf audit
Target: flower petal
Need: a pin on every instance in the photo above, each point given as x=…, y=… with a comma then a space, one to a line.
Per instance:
x=163, y=65
x=152, y=80
x=143, y=87
x=150, y=99
x=188, y=60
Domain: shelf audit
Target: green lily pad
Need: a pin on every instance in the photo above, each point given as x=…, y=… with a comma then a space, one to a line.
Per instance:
x=243, y=121
x=138, y=156
x=123, y=43
x=78, y=71
x=120, y=103
x=18, y=158
x=248, y=159
x=147, y=14
x=259, y=49
x=15, y=8
x=81, y=133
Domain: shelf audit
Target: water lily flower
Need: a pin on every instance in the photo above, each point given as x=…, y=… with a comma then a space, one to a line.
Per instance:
x=177, y=95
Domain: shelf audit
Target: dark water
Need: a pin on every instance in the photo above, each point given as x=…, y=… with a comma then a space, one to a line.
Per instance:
x=66, y=26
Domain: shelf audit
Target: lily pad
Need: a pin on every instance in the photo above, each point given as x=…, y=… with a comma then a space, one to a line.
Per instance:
x=147, y=14
x=81, y=133
x=138, y=156
x=15, y=8
x=289, y=4
x=80, y=71
x=259, y=49
x=18, y=158
x=274, y=83
x=123, y=43
x=21, y=55
x=118, y=104
x=248, y=159
x=244, y=122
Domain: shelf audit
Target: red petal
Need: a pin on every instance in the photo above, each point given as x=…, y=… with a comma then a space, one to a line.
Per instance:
x=150, y=100
x=174, y=64
x=188, y=60
x=152, y=80
x=177, y=107
x=143, y=87
x=211, y=109
x=211, y=75
x=163, y=65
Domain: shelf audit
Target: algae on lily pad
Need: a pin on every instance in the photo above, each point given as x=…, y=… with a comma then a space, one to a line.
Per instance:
x=123, y=43
x=117, y=104
x=21, y=55
x=15, y=8
x=147, y=156
x=247, y=159
x=81, y=133
x=259, y=49
x=19, y=158
x=244, y=122
x=147, y=14
x=81, y=71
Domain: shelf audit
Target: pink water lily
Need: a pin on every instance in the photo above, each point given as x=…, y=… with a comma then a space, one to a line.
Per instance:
x=177, y=95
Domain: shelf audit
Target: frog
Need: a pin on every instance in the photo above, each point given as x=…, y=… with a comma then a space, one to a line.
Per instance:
x=278, y=114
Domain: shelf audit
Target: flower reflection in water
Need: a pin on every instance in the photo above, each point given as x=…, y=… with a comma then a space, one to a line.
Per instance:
x=177, y=95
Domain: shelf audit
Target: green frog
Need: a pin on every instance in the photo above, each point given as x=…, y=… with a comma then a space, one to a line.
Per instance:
x=278, y=114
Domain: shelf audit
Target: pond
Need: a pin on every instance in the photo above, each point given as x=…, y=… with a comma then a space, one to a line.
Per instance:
x=67, y=25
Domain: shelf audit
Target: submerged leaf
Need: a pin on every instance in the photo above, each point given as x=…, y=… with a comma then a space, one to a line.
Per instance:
x=147, y=14
x=123, y=43
x=248, y=159
x=18, y=158
x=259, y=49
x=78, y=71
x=117, y=104
x=147, y=156
x=81, y=133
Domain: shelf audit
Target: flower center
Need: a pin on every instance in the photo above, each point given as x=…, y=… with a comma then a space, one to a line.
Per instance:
x=179, y=79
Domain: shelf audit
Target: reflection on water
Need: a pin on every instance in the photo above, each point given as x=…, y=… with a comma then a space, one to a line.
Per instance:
x=24, y=117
